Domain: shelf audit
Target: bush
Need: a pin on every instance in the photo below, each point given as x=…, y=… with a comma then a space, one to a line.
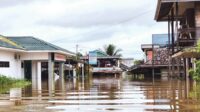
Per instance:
x=195, y=73
x=5, y=80
x=8, y=82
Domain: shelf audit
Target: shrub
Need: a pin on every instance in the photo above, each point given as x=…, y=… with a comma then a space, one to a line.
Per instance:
x=8, y=82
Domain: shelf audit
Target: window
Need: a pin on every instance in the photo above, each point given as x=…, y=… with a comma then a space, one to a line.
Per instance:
x=4, y=64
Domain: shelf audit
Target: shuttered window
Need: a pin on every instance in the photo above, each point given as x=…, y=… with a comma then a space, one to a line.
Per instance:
x=5, y=64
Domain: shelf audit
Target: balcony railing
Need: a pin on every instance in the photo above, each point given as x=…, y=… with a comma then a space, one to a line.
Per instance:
x=186, y=37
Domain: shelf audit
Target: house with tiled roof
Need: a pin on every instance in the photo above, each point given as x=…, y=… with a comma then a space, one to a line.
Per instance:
x=26, y=57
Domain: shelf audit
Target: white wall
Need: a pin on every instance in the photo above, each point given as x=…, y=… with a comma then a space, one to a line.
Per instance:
x=15, y=65
x=34, y=56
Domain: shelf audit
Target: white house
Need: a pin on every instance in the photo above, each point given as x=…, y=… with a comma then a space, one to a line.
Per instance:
x=22, y=57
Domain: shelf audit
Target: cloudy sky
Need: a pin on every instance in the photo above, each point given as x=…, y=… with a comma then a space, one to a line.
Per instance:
x=90, y=24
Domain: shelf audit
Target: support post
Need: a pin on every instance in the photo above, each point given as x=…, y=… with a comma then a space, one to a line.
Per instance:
x=62, y=77
x=118, y=63
x=172, y=35
x=39, y=77
x=176, y=30
x=51, y=77
x=184, y=66
x=34, y=75
x=82, y=70
x=69, y=68
x=153, y=72
x=61, y=72
x=169, y=47
x=187, y=68
x=74, y=72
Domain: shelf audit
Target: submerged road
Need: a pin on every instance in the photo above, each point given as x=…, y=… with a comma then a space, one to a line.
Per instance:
x=123, y=93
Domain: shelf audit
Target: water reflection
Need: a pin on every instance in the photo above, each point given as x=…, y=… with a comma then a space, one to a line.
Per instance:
x=118, y=93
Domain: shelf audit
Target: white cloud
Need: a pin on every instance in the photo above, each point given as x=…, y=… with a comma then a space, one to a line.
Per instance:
x=89, y=23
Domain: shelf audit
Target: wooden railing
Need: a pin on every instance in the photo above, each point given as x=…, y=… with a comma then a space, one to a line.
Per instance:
x=186, y=36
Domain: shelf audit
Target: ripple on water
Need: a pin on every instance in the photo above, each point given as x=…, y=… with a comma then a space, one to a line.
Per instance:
x=105, y=94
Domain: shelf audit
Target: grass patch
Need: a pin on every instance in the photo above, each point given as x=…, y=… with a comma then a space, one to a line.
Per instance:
x=7, y=82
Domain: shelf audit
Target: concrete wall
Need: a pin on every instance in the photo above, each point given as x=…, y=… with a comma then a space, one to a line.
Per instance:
x=34, y=56
x=15, y=69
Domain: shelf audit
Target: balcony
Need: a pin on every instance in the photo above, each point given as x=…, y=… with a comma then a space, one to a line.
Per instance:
x=186, y=37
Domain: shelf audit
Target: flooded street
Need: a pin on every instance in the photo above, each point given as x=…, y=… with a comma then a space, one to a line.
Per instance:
x=114, y=93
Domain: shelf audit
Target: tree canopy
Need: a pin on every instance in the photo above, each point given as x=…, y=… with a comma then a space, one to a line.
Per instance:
x=112, y=50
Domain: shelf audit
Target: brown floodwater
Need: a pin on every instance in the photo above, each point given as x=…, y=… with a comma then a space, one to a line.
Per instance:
x=106, y=93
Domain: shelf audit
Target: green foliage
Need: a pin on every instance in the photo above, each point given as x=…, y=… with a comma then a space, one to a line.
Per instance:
x=7, y=83
x=198, y=46
x=5, y=80
x=138, y=62
x=78, y=55
x=195, y=91
x=112, y=50
x=196, y=73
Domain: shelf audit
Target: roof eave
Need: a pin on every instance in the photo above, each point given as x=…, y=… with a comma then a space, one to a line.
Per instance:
x=12, y=49
x=157, y=10
x=54, y=51
x=158, y=17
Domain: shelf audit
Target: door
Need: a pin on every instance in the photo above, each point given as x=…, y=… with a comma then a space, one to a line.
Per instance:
x=27, y=70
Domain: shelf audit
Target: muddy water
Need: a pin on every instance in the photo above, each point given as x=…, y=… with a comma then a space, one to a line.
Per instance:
x=122, y=93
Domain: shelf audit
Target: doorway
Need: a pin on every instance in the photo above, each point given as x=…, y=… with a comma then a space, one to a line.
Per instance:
x=27, y=70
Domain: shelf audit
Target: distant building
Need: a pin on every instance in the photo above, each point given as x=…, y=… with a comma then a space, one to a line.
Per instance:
x=103, y=63
x=160, y=39
x=156, y=56
x=127, y=61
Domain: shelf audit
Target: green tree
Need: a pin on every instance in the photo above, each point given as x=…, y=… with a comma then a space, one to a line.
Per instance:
x=112, y=50
x=138, y=62
x=196, y=73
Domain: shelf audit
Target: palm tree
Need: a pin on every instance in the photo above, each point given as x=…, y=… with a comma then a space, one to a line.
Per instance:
x=112, y=50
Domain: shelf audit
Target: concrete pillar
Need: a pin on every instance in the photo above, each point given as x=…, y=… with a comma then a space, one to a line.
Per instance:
x=39, y=76
x=51, y=77
x=22, y=70
x=61, y=70
x=61, y=74
x=34, y=75
x=69, y=68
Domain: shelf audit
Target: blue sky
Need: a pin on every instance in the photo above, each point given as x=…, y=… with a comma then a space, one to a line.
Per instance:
x=89, y=23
